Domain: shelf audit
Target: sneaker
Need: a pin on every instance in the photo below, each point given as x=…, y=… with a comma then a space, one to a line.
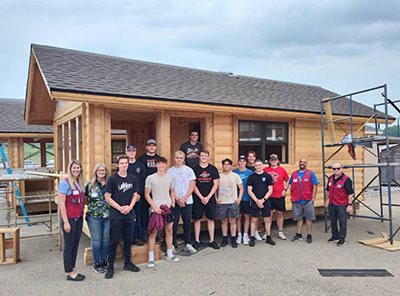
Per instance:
x=264, y=237
x=196, y=245
x=173, y=259
x=190, y=249
x=138, y=242
x=97, y=268
x=297, y=236
x=252, y=242
x=257, y=236
x=78, y=278
x=214, y=245
x=245, y=239
x=234, y=243
x=239, y=239
x=131, y=267
x=224, y=242
x=341, y=242
x=110, y=272
x=270, y=241
x=309, y=238
x=281, y=235
x=151, y=264
x=332, y=239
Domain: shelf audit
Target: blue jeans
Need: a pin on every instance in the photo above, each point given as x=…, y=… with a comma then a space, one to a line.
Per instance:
x=100, y=234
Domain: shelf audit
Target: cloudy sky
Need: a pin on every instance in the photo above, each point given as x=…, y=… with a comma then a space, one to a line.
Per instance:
x=341, y=45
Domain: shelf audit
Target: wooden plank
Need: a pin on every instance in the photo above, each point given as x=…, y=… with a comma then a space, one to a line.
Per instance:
x=58, y=149
x=207, y=130
x=2, y=248
x=72, y=128
x=163, y=134
x=79, y=137
x=43, y=155
x=66, y=150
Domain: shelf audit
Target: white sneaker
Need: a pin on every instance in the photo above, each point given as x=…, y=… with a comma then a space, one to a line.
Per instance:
x=264, y=237
x=151, y=264
x=245, y=239
x=239, y=239
x=257, y=235
x=281, y=235
x=173, y=259
x=190, y=249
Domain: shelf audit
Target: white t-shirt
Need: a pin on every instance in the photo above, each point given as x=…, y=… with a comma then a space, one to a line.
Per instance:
x=160, y=186
x=228, y=187
x=182, y=177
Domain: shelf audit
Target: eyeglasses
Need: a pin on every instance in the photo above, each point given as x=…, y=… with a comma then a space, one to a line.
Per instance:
x=336, y=169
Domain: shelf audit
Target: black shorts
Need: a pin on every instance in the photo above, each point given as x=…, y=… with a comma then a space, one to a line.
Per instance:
x=278, y=204
x=265, y=211
x=199, y=208
x=245, y=207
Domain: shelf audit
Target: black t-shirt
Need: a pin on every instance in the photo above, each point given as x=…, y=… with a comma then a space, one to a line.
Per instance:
x=348, y=184
x=121, y=190
x=139, y=171
x=149, y=163
x=205, y=178
x=192, y=153
x=260, y=183
x=251, y=168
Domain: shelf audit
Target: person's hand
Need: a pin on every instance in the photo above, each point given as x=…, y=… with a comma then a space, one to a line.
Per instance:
x=181, y=202
x=205, y=200
x=237, y=201
x=125, y=210
x=67, y=227
x=283, y=193
x=326, y=204
x=349, y=209
x=157, y=210
x=260, y=203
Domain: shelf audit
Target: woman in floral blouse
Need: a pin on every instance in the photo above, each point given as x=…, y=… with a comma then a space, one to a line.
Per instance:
x=97, y=216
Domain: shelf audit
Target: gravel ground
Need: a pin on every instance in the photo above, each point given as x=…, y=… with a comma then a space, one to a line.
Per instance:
x=289, y=268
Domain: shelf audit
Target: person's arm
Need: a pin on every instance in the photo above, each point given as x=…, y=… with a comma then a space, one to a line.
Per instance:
x=172, y=195
x=135, y=198
x=241, y=191
x=285, y=183
x=192, y=184
x=63, y=211
x=269, y=192
x=314, y=191
x=251, y=193
x=197, y=192
x=213, y=189
x=113, y=203
x=350, y=192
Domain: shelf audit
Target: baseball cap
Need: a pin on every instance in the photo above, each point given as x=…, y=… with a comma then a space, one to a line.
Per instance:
x=151, y=141
x=273, y=156
x=242, y=157
x=130, y=147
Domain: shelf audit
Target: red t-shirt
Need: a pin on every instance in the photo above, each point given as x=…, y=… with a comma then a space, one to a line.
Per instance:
x=279, y=175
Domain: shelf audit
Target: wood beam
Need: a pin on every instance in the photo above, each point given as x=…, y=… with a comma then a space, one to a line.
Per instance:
x=163, y=133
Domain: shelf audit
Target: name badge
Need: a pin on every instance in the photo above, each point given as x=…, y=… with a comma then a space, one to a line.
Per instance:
x=95, y=194
x=295, y=180
x=75, y=192
x=330, y=184
x=339, y=186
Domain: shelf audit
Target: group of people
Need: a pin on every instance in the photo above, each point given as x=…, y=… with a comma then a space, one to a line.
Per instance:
x=144, y=198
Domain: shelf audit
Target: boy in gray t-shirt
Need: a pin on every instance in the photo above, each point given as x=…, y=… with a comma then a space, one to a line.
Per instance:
x=162, y=188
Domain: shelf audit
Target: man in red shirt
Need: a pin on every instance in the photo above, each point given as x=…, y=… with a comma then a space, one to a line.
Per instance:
x=280, y=177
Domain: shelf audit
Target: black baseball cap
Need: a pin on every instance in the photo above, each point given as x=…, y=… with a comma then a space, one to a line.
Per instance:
x=131, y=147
x=242, y=157
x=151, y=142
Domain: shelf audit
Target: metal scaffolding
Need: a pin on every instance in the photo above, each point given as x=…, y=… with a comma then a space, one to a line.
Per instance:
x=384, y=165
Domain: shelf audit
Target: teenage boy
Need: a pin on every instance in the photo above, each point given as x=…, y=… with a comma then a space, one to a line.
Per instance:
x=340, y=195
x=184, y=182
x=137, y=169
x=280, y=177
x=251, y=157
x=204, y=198
x=244, y=173
x=259, y=186
x=303, y=189
x=228, y=201
x=192, y=149
x=162, y=188
x=121, y=195
x=149, y=161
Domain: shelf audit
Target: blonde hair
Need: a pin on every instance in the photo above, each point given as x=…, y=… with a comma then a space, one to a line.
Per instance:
x=71, y=178
x=96, y=168
x=180, y=153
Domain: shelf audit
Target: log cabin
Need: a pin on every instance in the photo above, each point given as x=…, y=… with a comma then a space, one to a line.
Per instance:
x=85, y=95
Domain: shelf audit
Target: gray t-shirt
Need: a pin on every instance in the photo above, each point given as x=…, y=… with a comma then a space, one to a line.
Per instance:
x=160, y=187
x=192, y=153
x=182, y=177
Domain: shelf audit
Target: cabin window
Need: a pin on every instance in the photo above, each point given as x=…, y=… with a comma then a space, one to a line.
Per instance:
x=117, y=148
x=265, y=138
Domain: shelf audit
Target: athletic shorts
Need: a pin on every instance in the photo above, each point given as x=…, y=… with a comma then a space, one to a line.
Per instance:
x=245, y=207
x=305, y=210
x=256, y=211
x=225, y=211
x=199, y=208
x=278, y=204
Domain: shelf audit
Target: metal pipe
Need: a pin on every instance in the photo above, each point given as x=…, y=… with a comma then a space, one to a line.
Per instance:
x=352, y=94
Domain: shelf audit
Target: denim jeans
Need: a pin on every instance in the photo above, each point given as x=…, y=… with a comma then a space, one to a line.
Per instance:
x=71, y=242
x=100, y=234
x=186, y=213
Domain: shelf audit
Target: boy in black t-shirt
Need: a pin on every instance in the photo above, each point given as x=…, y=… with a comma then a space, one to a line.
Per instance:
x=192, y=149
x=259, y=187
x=204, y=198
x=121, y=195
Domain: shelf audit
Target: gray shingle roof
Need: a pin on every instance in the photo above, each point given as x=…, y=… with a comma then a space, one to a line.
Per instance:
x=12, y=118
x=77, y=71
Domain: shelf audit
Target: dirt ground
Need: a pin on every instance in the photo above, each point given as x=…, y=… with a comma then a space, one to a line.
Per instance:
x=289, y=268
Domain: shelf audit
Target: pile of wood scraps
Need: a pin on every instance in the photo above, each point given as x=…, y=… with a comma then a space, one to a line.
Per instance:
x=382, y=243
